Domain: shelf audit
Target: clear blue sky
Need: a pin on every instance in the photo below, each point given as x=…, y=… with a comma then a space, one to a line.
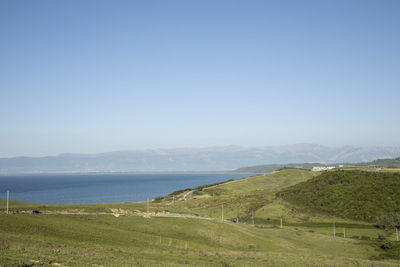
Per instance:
x=95, y=76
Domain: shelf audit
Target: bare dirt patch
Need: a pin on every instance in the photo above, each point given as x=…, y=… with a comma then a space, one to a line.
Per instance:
x=121, y=211
x=182, y=194
x=201, y=196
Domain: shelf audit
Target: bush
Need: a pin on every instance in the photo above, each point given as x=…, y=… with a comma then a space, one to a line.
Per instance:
x=365, y=237
x=388, y=221
x=391, y=249
x=386, y=245
x=4, y=244
x=158, y=199
x=381, y=237
x=353, y=194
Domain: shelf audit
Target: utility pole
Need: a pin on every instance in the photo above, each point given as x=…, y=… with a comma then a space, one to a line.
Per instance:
x=8, y=197
x=344, y=232
x=222, y=212
x=397, y=234
x=334, y=230
x=148, y=216
x=281, y=224
x=252, y=216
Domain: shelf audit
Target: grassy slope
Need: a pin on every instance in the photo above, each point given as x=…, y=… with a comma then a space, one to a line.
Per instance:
x=17, y=204
x=260, y=168
x=387, y=163
x=257, y=194
x=355, y=194
x=384, y=163
x=77, y=240
x=273, y=167
x=105, y=240
x=242, y=197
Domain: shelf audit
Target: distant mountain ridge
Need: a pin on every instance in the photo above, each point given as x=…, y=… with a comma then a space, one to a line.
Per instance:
x=194, y=159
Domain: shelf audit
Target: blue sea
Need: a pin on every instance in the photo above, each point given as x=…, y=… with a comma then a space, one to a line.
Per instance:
x=103, y=188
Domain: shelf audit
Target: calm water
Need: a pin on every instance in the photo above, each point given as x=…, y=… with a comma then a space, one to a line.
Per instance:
x=102, y=188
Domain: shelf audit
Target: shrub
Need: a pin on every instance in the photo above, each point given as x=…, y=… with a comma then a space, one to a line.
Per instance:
x=381, y=237
x=365, y=237
x=386, y=245
x=387, y=221
x=4, y=244
x=354, y=194
x=158, y=199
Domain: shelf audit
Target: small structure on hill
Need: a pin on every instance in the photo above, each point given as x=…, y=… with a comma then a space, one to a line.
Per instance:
x=320, y=168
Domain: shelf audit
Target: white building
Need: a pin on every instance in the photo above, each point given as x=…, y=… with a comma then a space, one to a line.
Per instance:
x=318, y=169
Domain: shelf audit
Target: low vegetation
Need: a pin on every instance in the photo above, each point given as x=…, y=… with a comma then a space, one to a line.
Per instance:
x=384, y=163
x=355, y=194
x=274, y=167
x=191, y=231
x=267, y=168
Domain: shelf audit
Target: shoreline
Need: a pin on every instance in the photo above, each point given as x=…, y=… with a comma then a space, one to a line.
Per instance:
x=166, y=194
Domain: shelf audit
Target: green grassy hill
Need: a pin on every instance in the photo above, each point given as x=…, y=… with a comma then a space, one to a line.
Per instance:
x=354, y=194
x=274, y=167
x=135, y=241
x=382, y=163
x=385, y=163
x=241, y=197
x=260, y=168
x=190, y=231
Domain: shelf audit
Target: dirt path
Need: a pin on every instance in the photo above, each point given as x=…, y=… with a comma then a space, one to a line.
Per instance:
x=183, y=198
x=136, y=214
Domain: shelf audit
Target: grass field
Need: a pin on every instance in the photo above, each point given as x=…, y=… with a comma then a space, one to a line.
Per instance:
x=191, y=232
x=105, y=240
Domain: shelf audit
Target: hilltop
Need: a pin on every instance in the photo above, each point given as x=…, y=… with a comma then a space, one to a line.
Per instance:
x=273, y=167
x=354, y=194
x=386, y=163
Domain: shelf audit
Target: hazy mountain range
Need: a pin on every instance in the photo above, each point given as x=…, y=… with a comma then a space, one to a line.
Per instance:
x=194, y=159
